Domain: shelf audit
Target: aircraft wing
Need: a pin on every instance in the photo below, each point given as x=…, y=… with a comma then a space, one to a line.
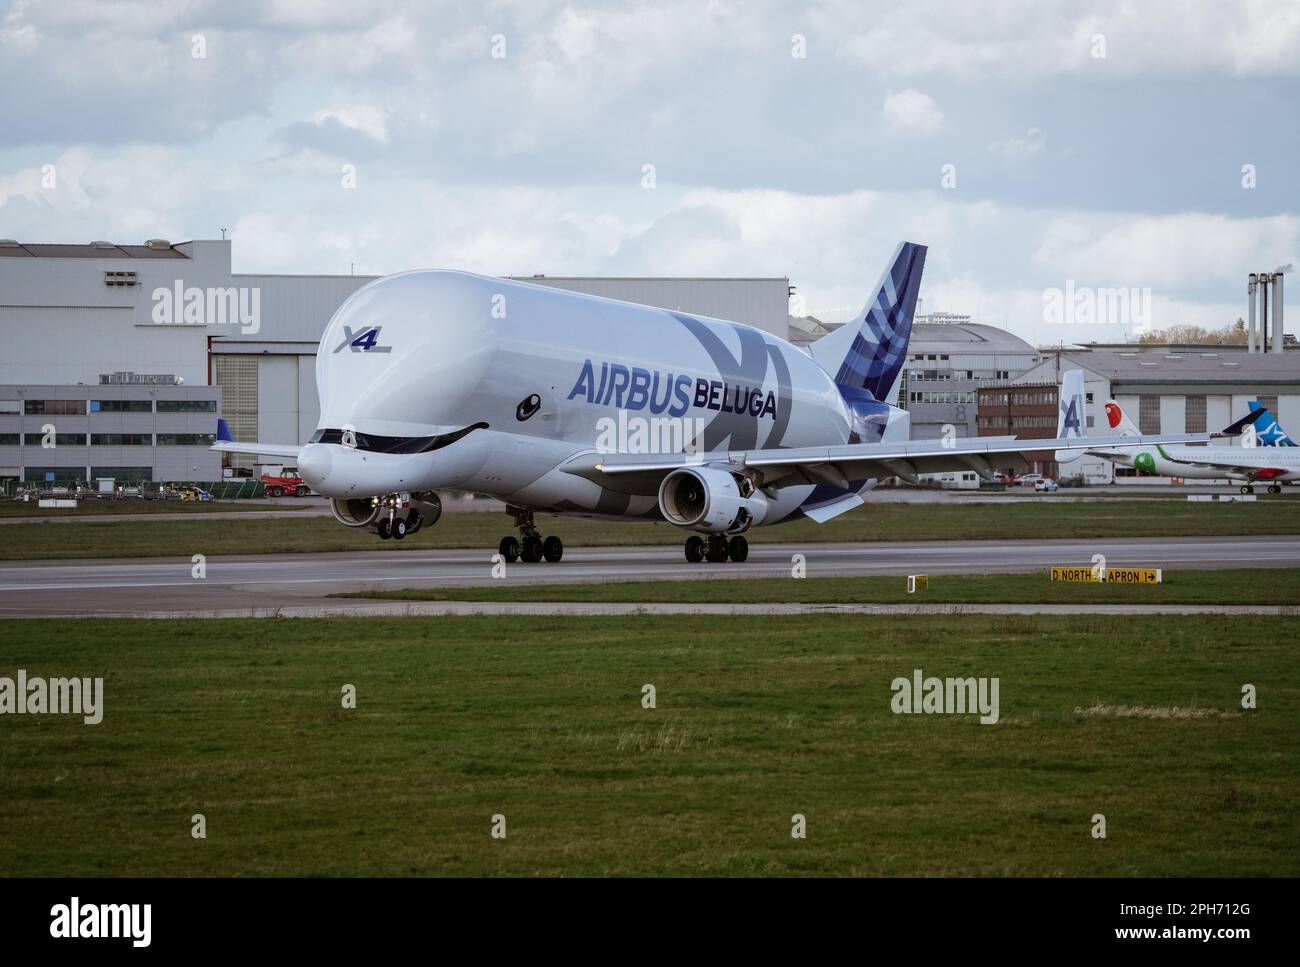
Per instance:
x=225, y=443
x=841, y=465
x=265, y=449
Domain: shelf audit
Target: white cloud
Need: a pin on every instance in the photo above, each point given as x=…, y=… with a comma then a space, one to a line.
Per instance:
x=912, y=112
x=370, y=121
x=1034, y=38
x=1023, y=146
x=1166, y=252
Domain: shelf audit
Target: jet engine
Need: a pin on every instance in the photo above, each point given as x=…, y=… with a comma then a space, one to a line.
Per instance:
x=711, y=499
x=378, y=513
x=358, y=512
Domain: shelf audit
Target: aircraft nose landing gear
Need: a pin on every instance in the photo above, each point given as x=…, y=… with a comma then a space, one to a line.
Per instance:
x=529, y=547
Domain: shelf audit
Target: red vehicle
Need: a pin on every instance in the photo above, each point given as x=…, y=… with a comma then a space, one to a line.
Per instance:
x=287, y=481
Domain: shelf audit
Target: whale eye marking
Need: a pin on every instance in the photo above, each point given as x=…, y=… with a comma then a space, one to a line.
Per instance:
x=528, y=407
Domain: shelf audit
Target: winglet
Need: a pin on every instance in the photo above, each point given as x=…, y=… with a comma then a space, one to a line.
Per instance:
x=1250, y=419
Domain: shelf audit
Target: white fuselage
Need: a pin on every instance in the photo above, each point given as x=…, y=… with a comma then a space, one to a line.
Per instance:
x=548, y=375
x=1210, y=463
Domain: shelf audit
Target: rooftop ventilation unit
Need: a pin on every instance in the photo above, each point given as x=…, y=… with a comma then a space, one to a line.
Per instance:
x=8, y=243
x=102, y=244
x=158, y=243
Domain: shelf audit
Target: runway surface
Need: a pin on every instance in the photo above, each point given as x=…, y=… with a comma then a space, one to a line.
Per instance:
x=266, y=584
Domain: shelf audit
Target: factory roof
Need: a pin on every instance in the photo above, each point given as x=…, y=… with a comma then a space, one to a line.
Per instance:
x=1209, y=366
x=154, y=249
x=967, y=337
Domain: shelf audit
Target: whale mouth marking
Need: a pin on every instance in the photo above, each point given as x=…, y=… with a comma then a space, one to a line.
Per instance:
x=371, y=443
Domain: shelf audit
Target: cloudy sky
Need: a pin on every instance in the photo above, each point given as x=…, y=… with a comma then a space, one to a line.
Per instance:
x=1029, y=144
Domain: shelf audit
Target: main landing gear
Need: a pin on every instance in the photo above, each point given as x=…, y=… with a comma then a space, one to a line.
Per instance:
x=1248, y=489
x=529, y=547
x=716, y=549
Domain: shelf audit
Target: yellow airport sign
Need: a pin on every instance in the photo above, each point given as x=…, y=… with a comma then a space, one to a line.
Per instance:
x=1110, y=575
x=917, y=582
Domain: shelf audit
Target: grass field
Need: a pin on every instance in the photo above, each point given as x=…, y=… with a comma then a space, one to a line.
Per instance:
x=459, y=719
x=1268, y=586
x=874, y=522
x=94, y=508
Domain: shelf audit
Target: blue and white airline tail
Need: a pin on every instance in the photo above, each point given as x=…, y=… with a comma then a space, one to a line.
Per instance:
x=866, y=356
x=1269, y=432
x=1072, y=420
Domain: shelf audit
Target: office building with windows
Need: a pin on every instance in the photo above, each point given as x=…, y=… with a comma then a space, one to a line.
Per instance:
x=119, y=431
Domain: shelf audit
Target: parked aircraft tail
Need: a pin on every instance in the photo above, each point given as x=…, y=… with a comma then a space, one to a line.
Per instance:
x=1072, y=418
x=1119, y=421
x=1268, y=431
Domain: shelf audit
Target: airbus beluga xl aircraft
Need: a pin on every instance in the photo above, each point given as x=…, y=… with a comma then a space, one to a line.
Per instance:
x=567, y=404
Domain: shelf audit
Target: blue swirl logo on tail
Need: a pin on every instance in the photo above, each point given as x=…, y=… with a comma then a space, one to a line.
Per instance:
x=875, y=359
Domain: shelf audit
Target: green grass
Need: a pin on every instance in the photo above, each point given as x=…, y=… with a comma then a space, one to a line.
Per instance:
x=874, y=522
x=540, y=720
x=95, y=507
x=1279, y=586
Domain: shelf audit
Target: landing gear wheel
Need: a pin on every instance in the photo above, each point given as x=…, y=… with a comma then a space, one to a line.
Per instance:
x=398, y=528
x=1247, y=489
x=695, y=549
x=552, y=549
x=509, y=549
x=1274, y=488
x=738, y=549
x=532, y=550
x=716, y=552
x=382, y=529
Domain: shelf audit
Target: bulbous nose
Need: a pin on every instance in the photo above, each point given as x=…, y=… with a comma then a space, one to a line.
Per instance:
x=315, y=463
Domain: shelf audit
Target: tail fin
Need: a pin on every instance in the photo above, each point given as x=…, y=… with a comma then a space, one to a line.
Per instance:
x=1119, y=421
x=1270, y=431
x=1072, y=420
x=1247, y=427
x=868, y=354
x=223, y=431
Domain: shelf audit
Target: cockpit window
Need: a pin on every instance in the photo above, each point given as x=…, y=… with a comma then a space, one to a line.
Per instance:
x=397, y=444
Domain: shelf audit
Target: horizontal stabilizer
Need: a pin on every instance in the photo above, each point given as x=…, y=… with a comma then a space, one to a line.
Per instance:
x=264, y=449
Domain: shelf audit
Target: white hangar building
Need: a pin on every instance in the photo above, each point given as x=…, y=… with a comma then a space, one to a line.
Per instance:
x=98, y=345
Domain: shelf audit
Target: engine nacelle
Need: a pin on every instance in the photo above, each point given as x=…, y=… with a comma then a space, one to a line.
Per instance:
x=358, y=512
x=428, y=505
x=711, y=499
x=366, y=513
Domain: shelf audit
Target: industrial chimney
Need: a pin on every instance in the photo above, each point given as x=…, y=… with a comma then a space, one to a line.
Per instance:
x=1279, y=339
x=1250, y=312
x=1257, y=322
